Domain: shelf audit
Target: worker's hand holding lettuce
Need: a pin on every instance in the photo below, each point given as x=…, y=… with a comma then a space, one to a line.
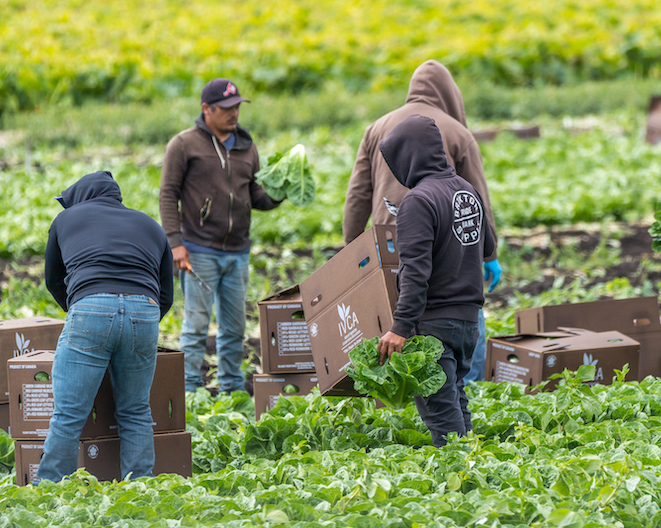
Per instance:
x=414, y=372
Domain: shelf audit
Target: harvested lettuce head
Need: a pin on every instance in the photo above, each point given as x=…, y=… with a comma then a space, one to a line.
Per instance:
x=288, y=176
x=414, y=372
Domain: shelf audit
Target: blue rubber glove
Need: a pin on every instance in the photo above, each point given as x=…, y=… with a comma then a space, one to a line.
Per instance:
x=492, y=269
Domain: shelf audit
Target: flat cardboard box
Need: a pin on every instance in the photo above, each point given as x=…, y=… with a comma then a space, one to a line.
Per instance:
x=173, y=452
x=31, y=405
x=167, y=399
x=284, y=337
x=533, y=358
x=4, y=417
x=348, y=299
x=20, y=336
x=101, y=457
x=268, y=388
x=637, y=318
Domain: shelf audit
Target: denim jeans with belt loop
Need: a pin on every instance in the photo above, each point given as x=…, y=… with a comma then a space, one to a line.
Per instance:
x=102, y=332
x=227, y=276
x=447, y=410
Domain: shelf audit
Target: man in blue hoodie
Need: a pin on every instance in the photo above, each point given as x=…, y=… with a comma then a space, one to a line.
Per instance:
x=442, y=237
x=110, y=268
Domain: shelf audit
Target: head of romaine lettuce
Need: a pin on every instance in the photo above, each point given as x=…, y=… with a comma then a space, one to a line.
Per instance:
x=414, y=372
x=288, y=176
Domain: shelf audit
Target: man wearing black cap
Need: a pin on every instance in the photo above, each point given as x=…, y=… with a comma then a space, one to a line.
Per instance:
x=208, y=189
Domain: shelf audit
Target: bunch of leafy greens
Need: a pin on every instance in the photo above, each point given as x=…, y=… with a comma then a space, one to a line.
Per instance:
x=414, y=372
x=288, y=176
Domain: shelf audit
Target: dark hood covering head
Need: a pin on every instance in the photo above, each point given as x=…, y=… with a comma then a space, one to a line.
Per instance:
x=414, y=150
x=95, y=185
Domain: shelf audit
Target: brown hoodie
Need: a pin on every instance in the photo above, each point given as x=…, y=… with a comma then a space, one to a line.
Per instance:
x=434, y=94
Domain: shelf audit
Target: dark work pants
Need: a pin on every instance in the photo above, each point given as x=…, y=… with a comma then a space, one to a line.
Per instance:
x=447, y=410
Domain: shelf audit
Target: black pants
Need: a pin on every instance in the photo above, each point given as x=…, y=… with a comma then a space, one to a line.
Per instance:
x=447, y=410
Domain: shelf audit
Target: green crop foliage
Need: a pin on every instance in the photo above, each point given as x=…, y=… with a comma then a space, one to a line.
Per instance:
x=69, y=52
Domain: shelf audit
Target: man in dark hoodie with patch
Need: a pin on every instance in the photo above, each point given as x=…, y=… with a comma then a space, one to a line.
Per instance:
x=442, y=237
x=110, y=268
x=208, y=189
x=432, y=93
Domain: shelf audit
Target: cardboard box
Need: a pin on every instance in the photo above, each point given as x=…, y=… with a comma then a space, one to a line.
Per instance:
x=27, y=455
x=4, y=417
x=532, y=358
x=348, y=299
x=167, y=399
x=268, y=388
x=20, y=336
x=101, y=457
x=31, y=404
x=284, y=337
x=637, y=318
x=173, y=454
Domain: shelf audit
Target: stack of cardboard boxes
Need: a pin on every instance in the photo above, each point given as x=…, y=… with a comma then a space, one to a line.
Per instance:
x=607, y=334
x=18, y=337
x=348, y=299
x=31, y=407
x=285, y=350
x=307, y=331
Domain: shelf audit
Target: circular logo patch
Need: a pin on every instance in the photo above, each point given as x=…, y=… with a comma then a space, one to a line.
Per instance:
x=551, y=361
x=314, y=330
x=467, y=217
x=93, y=451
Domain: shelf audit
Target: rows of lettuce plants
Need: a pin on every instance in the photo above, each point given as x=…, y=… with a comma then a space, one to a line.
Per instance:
x=160, y=49
x=581, y=456
x=612, y=173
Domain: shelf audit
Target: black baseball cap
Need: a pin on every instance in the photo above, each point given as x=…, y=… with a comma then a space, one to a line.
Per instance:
x=222, y=92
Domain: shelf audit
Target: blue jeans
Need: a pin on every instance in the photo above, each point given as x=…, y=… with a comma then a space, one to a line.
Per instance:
x=478, y=365
x=447, y=410
x=227, y=275
x=104, y=332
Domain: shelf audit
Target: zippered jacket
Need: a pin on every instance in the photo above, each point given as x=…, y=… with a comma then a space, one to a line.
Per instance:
x=442, y=232
x=207, y=193
x=432, y=93
x=97, y=245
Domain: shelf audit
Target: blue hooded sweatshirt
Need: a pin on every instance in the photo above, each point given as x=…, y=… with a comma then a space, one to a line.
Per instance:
x=97, y=245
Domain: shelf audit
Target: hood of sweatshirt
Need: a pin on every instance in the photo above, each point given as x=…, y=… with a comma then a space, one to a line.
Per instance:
x=414, y=150
x=432, y=84
x=94, y=185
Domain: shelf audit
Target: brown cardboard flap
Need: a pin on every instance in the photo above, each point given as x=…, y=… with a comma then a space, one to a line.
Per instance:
x=352, y=264
x=629, y=316
x=292, y=293
x=361, y=313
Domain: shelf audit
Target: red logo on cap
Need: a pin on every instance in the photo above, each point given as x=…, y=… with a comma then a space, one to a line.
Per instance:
x=230, y=90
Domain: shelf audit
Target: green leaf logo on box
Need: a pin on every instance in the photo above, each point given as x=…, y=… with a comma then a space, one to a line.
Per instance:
x=414, y=372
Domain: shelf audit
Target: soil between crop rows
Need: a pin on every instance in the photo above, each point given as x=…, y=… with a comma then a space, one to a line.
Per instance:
x=634, y=240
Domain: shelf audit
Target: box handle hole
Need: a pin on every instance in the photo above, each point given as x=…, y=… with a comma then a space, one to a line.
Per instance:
x=363, y=263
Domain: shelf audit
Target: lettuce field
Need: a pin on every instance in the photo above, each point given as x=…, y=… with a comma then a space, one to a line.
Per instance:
x=87, y=86
x=165, y=48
